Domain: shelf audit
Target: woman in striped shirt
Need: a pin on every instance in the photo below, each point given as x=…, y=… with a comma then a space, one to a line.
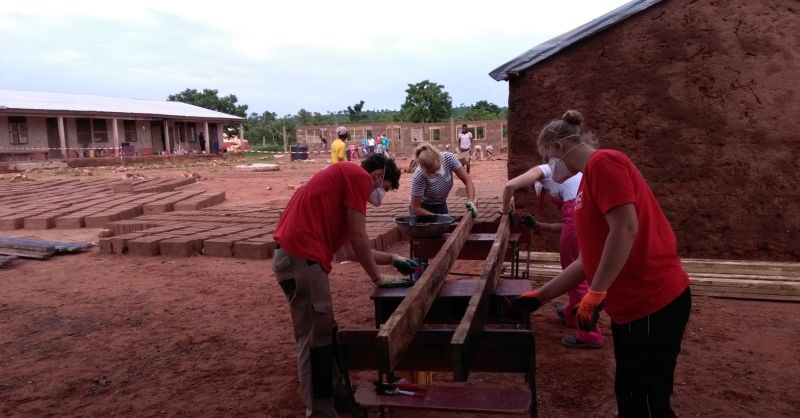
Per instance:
x=433, y=180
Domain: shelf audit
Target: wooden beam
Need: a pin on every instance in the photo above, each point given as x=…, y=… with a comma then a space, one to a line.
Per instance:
x=398, y=332
x=474, y=318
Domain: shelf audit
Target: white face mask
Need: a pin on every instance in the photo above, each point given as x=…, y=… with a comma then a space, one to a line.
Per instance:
x=376, y=197
x=559, y=169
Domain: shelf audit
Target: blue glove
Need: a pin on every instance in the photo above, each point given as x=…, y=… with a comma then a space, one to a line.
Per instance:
x=473, y=210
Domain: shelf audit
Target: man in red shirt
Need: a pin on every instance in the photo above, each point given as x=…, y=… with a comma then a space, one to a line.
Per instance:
x=628, y=252
x=321, y=217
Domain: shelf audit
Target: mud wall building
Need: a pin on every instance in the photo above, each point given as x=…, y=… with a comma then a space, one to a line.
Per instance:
x=703, y=95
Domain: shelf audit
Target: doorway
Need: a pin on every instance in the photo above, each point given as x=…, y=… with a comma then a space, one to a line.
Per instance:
x=157, y=137
x=53, y=140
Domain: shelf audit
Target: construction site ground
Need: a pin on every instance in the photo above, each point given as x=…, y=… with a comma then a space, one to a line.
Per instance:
x=120, y=335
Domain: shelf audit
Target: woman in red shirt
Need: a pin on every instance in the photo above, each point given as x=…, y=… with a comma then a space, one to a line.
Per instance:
x=628, y=253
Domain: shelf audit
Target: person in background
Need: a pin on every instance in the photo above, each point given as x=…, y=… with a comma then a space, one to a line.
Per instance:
x=305, y=246
x=353, y=151
x=385, y=145
x=628, y=253
x=338, y=148
x=465, y=146
x=201, y=139
x=371, y=143
x=489, y=151
x=324, y=142
x=564, y=192
x=432, y=182
x=365, y=144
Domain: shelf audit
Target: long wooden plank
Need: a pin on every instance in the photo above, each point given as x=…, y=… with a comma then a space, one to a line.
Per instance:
x=699, y=264
x=398, y=332
x=474, y=318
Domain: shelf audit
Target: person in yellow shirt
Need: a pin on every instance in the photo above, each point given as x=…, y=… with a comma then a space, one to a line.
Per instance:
x=338, y=147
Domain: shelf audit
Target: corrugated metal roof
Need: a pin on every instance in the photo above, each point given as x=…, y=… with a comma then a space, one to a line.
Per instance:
x=547, y=49
x=19, y=100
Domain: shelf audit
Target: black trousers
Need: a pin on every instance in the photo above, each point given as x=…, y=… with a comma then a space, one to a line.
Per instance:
x=646, y=351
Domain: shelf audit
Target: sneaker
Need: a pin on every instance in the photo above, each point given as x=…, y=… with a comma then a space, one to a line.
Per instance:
x=572, y=341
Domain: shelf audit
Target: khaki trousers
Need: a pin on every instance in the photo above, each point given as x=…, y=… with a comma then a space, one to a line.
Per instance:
x=307, y=288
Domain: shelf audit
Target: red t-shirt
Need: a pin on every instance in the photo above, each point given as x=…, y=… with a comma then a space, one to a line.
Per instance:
x=653, y=276
x=314, y=224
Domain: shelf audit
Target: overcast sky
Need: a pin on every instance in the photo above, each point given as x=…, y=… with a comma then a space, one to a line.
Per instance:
x=281, y=56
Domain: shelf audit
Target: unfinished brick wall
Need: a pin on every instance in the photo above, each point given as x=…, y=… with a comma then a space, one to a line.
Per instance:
x=703, y=96
x=405, y=136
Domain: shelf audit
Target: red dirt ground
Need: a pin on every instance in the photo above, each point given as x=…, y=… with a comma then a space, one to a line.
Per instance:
x=107, y=335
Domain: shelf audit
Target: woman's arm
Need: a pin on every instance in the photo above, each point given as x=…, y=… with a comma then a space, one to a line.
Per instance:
x=526, y=179
x=467, y=180
x=567, y=279
x=416, y=207
x=622, y=227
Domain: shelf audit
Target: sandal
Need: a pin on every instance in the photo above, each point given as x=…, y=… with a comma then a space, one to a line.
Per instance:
x=572, y=341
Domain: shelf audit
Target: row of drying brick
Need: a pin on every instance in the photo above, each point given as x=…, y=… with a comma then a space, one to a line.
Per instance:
x=59, y=194
x=189, y=238
x=158, y=185
x=99, y=212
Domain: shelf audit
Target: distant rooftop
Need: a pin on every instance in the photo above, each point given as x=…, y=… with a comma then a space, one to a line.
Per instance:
x=547, y=49
x=36, y=101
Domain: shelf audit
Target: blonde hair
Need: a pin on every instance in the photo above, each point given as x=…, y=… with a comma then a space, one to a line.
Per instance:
x=428, y=157
x=569, y=126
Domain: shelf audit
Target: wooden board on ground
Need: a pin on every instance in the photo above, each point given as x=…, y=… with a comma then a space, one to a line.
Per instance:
x=398, y=332
x=474, y=318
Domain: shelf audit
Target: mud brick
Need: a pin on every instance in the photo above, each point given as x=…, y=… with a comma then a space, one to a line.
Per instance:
x=98, y=220
x=11, y=222
x=217, y=198
x=157, y=207
x=218, y=247
x=146, y=246
x=252, y=250
x=71, y=221
x=178, y=247
x=190, y=204
x=105, y=245
x=40, y=222
x=122, y=188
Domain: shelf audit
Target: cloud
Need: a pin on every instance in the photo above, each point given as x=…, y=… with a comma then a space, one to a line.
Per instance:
x=280, y=56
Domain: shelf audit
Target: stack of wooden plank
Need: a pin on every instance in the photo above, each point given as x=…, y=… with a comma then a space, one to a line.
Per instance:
x=37, y=249
x=737, y=279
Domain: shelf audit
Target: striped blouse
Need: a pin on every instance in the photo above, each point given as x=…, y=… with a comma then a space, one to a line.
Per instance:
x=435, y=191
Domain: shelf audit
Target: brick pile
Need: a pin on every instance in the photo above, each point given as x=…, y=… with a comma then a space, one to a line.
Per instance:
x=94, y=203
x=245, y=231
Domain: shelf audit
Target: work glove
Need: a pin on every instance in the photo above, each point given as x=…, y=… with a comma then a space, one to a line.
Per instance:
x=588, y=311
x=472, y=209
x=405, y=265
x=529, y=301
x=530, y=221
x=394, y=281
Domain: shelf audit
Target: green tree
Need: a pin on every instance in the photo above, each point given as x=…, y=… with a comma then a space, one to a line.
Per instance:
x=210, y=99
x=483, y=110
x=355, y=114
x=426, y=102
